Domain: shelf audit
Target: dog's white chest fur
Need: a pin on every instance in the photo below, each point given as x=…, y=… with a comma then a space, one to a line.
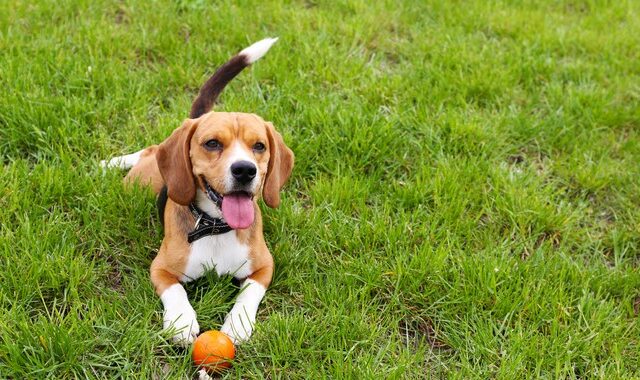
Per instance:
x=222, y=253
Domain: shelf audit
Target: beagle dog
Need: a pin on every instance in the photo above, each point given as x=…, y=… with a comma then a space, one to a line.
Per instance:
x=209, y=175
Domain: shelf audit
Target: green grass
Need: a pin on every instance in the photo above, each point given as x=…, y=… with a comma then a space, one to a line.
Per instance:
x=464, y=202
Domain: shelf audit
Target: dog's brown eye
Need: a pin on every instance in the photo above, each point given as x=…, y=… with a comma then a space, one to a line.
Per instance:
x=259, y=147
x=213, y=144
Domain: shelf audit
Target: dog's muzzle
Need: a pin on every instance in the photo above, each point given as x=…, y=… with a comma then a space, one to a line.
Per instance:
x=237, y=206
x=243, y=172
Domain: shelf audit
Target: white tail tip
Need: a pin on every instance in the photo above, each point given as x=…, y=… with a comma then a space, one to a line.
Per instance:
x=257, y=50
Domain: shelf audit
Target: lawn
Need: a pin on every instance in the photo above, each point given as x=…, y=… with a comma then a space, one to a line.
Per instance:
x=465, y=201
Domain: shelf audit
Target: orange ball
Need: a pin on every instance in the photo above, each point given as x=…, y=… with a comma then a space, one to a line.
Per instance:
x=213, y=350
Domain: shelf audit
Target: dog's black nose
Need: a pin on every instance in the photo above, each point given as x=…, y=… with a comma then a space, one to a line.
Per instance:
x=243, y=171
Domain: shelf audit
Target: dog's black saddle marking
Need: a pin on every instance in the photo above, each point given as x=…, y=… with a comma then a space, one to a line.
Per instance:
x=161, y=203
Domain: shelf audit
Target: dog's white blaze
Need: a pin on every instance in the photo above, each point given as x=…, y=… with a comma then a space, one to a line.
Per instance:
x=123, y=162
x=258, y=49
x=222, y=253
x=179, y=314
x=240, y=321
x=240, y=154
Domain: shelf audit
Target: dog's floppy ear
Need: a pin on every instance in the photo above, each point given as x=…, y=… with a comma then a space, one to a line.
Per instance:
x=174, y=163
x=279, y=168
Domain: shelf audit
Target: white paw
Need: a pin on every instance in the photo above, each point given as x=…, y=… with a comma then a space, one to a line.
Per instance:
x=182, y=321
x=238, y=325
x=122, y=162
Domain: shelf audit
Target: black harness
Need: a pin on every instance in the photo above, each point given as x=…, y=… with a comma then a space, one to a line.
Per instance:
x=205, y=224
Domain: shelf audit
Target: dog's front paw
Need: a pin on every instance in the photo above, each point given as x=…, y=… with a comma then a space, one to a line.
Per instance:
x=183, y=323
x=238, y=325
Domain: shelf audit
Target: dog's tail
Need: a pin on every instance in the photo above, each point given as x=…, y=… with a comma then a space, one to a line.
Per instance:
x=214, y=86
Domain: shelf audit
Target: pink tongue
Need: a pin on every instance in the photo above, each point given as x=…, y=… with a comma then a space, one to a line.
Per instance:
x=237, y=210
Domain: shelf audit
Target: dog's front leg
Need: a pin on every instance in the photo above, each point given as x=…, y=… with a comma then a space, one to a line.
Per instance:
x=178, y=313
x=238, y=324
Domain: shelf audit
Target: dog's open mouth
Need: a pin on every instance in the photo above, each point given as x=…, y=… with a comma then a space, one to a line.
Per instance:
x=237, y=209
x=236, y=206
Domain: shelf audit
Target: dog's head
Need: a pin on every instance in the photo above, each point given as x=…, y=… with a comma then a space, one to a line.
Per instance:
x=238, y=155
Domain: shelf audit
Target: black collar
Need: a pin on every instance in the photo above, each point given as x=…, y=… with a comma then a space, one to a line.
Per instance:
x=205, y=224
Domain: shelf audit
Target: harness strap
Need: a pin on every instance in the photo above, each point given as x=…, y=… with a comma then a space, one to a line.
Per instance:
x=205, y=225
